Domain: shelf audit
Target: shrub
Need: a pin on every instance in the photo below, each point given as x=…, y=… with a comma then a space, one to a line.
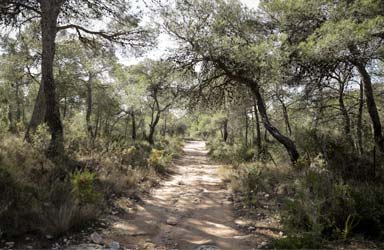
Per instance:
x=36, y=195
x=159, y=161
x=83, y=187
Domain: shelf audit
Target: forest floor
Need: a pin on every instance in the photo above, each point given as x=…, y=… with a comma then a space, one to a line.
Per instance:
x=191, y=209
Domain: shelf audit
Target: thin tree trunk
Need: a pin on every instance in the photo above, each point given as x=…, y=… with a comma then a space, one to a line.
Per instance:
x=165, y=125
x=285, y=141
x=286, y=118
x=359, y=126
x=133, y=118
x=152, y=129
x=344, y=112
x=65, y=107
x=246, y=127
x=370, y=100
x=49, y=14
x=258, y=131
x=12, y=127
x=225, y=130
x=126, y=128
x=88, y=114
x=18, y=103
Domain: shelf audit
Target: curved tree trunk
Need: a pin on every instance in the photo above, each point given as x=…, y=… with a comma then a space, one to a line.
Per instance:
x=285, y=141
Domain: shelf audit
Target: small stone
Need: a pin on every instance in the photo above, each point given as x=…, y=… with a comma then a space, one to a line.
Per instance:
x=49, y=237
x=114, y=212
x=266, y=196
x=207, y=247
x=27, y=238
x=96, y=238
x=281, y=233
x=251, y=228
x=263, y=244
x=114, y=245
x=149, y=245
x=10, y=243
x=172, y=221
x=29, y=247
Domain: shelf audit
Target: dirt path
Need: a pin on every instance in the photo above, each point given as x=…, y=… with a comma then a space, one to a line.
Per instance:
x=189, y=211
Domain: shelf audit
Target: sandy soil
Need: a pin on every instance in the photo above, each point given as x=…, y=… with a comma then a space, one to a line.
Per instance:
x=191, y=210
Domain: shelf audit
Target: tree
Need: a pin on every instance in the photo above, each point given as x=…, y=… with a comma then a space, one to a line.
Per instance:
x=353, y=37
x=58, y=15
x=161, y=89
x=235, y=46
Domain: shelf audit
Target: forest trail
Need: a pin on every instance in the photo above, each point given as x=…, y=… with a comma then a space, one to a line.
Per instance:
x=189, y=211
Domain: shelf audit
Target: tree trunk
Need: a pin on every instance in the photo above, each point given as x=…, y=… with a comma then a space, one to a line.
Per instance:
x=225, y=130
x=133, y=118
x=165, y=125
x=258, y=131
x=152, y=129
x=359, y=126
x=65, y=107
x=18, y=102
x=88, y=114
x=38, y=114
x=371, y=105
x=344, y=112
x=49, y=13
x=286, y=118
x=285, y=141
x=246, y=127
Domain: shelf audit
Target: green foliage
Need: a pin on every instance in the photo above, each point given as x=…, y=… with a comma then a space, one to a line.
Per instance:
x=35, y=195
x=159, y=160
x=227, y=153
x=83, y=187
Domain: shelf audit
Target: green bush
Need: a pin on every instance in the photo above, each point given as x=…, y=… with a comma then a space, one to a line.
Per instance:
x=369, y=205
x=37, y=196
x=83, y=187
x=159, y=161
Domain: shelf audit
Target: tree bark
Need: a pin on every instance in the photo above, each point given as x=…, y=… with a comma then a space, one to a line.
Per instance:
x=38, y=114
x=285, y=115
x=371, y=105
x=344, y=112
x=88, y=114
x=246, y=127
x=152, y=128
x=258, y=131
x=285, y=141
x=133, y=118
x=359, y=126
x=49, y=13
x=225, y=130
